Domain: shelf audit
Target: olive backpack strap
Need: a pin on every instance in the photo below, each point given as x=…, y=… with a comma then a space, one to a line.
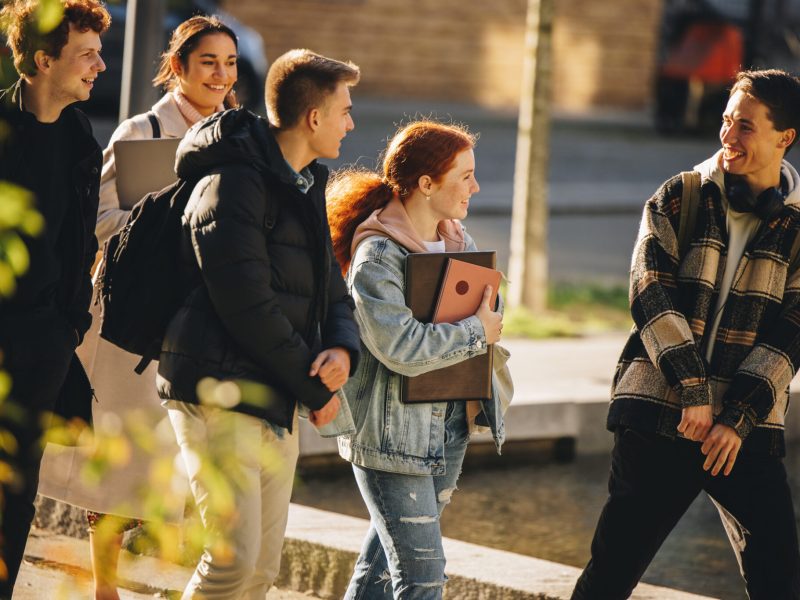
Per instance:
x=794, y=257
x=690, y=201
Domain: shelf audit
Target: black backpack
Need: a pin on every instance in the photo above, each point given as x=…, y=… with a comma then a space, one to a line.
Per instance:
x=140, y=279
x=142, y=282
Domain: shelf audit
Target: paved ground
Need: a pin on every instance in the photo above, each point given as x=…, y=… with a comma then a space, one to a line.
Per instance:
x=57, y=567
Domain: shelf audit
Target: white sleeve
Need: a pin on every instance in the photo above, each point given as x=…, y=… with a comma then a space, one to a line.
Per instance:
x=110, y=217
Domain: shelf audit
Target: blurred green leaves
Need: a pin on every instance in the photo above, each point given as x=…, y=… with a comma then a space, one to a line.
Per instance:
x=17, y=216
x=49, y=14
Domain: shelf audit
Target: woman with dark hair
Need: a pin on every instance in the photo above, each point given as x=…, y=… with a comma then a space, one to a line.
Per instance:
x=407, y=457
x=198, y=72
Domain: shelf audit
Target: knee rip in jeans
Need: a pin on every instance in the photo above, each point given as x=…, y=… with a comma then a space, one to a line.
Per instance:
x=423, y=520
x=426, y=554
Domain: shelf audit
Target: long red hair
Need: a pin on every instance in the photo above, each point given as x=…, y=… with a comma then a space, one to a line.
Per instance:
x=420, y=148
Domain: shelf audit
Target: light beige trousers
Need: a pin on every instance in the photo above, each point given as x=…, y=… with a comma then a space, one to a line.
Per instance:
x=241, y=473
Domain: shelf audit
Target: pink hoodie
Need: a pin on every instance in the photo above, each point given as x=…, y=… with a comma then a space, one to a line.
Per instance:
x=392, y=221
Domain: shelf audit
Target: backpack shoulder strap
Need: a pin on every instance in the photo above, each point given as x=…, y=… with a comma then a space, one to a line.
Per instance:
x=151, y=116
x=690, y=200
x=794, y=256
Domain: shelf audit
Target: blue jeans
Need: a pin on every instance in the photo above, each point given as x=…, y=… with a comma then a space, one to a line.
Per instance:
x=402, y=556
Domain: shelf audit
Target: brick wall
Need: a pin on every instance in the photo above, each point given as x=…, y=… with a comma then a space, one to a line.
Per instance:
x=470, y=50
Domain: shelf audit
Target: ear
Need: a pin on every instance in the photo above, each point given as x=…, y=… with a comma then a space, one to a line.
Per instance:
x=787, y=137
x=42, y=60
x=175, y=65
x=425, y=184
x=313, y=119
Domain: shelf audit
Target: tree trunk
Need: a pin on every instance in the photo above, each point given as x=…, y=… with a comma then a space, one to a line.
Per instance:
x=144, y=40
x=528, y=263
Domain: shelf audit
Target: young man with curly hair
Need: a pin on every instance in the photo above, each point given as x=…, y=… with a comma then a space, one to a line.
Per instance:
x=48, y=149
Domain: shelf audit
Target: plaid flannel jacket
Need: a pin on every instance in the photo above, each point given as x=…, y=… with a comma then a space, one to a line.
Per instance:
x=757, y=349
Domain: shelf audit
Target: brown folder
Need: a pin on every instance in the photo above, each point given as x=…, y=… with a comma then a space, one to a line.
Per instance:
x=468, y=380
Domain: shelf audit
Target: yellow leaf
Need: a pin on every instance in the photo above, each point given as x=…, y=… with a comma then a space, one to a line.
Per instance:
x=49, y=14
x=16, y=254
x=5, y=384
x=7, y=282
x=32, y=223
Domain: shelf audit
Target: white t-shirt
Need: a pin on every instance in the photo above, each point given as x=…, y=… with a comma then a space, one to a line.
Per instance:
x=437, y=246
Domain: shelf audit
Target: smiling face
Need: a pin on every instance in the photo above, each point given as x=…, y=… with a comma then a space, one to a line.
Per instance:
x=449, y=198
x=71, y=76
x=331, y=123
x=208, y=73
x=751, y=146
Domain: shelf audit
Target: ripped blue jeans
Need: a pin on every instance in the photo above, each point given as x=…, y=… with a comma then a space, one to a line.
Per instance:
x=402, y=556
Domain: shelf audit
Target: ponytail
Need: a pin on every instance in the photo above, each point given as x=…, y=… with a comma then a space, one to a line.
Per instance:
x=352, y=195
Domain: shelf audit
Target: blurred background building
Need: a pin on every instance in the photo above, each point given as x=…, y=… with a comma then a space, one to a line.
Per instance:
x=672, y=56
x=471, y=52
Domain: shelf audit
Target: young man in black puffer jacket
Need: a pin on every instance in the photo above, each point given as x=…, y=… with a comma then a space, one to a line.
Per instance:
x=268, y=305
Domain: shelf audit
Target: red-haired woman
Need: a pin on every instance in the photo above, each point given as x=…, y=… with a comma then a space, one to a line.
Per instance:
x=407, y=457
x=198, y=71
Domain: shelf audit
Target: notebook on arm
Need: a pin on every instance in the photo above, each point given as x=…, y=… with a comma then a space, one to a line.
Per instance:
x=468, y=380
x=143, y=166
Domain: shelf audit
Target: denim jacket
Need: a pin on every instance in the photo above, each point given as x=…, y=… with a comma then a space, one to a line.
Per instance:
x=390, y=435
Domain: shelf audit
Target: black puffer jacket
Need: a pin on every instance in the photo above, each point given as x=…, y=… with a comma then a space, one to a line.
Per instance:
x=264, y=301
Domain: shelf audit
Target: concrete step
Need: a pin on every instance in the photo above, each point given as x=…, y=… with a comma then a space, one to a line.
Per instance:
x=318, y=557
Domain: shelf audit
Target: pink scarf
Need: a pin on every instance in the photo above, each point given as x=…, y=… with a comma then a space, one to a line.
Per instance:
x=189, y=112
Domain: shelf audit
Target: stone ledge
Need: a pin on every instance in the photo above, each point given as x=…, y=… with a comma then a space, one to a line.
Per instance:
x=321, y=547
x=319, y=553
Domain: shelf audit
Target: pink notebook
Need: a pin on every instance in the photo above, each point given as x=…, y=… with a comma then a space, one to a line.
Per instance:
x=462, y=290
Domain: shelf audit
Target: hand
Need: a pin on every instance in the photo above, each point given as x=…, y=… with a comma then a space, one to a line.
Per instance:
x=721, y=449
x=326, y=414
x=695, y=422
x=492, y=321
x=332, y=366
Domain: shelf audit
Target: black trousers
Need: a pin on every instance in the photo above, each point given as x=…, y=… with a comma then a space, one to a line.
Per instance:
x=654, y=480
x=37, y=363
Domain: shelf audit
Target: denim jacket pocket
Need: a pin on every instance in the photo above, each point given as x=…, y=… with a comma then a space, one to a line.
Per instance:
x=342, y=424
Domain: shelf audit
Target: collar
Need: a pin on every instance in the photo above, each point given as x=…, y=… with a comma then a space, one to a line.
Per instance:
x=302, y=180
x=189, y=112
x=282, y=169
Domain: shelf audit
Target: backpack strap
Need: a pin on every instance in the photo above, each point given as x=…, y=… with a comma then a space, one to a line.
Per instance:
x=151, y=116
x=690, y=200
x=794, y=256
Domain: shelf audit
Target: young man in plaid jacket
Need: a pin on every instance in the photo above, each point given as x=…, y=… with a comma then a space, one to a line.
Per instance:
x=701, y=388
